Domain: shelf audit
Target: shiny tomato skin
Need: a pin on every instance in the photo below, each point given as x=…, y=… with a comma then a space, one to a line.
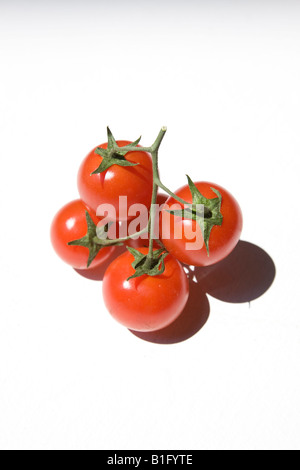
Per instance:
x=134, y=182
x=146, y=303
x=70, y=224
x=223, y=238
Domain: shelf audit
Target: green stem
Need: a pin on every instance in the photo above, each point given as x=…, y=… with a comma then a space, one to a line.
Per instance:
x=154, y=153
x=167, y=190
x=152, y=209
x=154, y=147
x=109, y=242
x=207, y=212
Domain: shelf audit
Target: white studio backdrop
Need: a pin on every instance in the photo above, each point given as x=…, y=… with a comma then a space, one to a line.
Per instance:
x=224, y=77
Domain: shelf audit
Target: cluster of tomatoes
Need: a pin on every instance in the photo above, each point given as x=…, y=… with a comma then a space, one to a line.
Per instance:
x=146, y=287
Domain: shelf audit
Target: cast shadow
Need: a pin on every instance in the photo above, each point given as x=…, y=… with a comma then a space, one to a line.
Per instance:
x=97, y=273
x=246, y=274
x=191, y=320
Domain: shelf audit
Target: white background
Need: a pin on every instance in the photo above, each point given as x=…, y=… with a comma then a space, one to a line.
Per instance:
x=224, y=77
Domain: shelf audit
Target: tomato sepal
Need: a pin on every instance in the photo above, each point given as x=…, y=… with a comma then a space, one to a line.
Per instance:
x=142, y=264
x=88, y=240
x=113, y=155
x=209, y=215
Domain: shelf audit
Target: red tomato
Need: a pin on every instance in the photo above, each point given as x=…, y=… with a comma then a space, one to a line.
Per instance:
x=145, y=303
x=70, y=224
x=223, y=238
x=134, y=182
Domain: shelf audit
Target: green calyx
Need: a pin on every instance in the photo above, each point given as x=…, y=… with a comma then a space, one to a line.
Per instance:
x=206, y=212
x=142, y=264
x=113, y=155
x=88, y=240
